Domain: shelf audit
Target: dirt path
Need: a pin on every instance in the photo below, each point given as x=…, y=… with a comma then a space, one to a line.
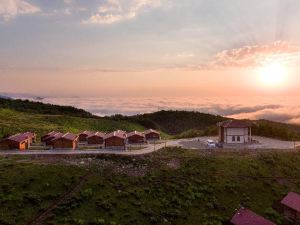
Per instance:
x=41, y=217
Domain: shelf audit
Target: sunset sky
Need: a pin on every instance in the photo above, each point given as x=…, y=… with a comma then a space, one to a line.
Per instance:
x=150, y=47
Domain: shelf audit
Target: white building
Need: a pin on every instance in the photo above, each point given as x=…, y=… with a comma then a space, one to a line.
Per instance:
x=235, y=132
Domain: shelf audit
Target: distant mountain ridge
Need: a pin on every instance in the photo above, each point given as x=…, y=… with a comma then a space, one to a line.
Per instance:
x=42, y=108
x=178, y=124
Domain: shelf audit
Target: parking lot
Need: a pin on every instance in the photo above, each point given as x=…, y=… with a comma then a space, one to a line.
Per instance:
x=260, y=143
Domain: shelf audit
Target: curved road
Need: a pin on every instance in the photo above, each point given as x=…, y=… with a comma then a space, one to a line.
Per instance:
x=151, y=148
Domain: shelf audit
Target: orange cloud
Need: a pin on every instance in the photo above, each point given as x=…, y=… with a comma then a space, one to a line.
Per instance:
x=252, y=56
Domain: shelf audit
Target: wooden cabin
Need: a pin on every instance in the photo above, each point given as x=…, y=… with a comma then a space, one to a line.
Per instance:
x=135, y=137
x=82, y=137
x=96, y=138
x=66, y=141
x=115, y=140
x=31, y=136
x=235, y=132
x=44, y=137
x=152, y=135
x=247, y=217
x=291, y=207
x=19, y=141
x=47, y=139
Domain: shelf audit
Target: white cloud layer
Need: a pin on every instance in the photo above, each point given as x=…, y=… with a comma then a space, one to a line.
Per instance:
x=12, y=8
x=112, y=11
x=282, y=109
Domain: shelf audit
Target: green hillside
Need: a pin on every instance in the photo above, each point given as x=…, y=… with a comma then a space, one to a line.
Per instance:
x=176, y=122
x=41, y=108
x=23, y=115
x=170, y=187
x=12, y=121
x=184, y=124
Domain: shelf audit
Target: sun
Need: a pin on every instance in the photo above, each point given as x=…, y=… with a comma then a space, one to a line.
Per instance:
x=273, y=74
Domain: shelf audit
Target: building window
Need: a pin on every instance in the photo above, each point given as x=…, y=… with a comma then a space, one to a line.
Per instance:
x=238, y=138
x=233, y=138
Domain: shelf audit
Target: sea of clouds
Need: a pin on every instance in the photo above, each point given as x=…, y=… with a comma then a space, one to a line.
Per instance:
x=283, y=109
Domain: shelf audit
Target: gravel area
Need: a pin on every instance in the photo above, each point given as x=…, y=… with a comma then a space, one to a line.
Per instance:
x=262, y=143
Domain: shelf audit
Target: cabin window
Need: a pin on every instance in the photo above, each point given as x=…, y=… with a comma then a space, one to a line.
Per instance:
x=233, y=138
x=238, y=138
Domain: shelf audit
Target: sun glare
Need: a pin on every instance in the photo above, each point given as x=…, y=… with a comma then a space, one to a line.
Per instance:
x=273, y=74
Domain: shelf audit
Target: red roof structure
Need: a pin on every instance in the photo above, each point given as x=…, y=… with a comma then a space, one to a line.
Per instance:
x=292, y=200
x=52, y=135
x=18, y=137
x=118, y=133
x=247, y=217
x=133, y=133
x=67, y=136
x=151, y=131
x=98, y=134
x=235, y=124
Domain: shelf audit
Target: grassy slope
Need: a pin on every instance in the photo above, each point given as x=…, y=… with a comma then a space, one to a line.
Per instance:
x=20, y=115
x=203, y=190
x=184, y=124
x=13, y=121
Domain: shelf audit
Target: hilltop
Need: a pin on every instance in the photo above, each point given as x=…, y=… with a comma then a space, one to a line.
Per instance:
x=187, y=124
x=24, y=115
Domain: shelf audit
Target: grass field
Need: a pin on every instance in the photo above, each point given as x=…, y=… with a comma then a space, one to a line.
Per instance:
x=172, y=186
x=13, y=121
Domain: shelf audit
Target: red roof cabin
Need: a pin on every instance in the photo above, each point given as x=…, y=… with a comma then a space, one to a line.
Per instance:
x=96, y=138
x=135, y=137
x=82, y=137
x=19, y=141
x=44, y=137
x=31, y=136
x=115, y=140
x=247, y=217
x=152, y=135
x=66, y=141
x=47, y=139
x=291, y=207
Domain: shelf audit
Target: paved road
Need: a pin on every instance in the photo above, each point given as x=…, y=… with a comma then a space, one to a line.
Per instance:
x=151, y=148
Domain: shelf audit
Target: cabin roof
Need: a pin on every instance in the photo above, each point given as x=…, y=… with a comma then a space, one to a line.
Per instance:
x=97, y=134
x=151, y=131
x=292, y=200
x=18, y=137
x=235, y=124
x=87, y=132
x=118, y=133
x=133, y=133
x=247, y=217
x=67, y=136
x=53, y=135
